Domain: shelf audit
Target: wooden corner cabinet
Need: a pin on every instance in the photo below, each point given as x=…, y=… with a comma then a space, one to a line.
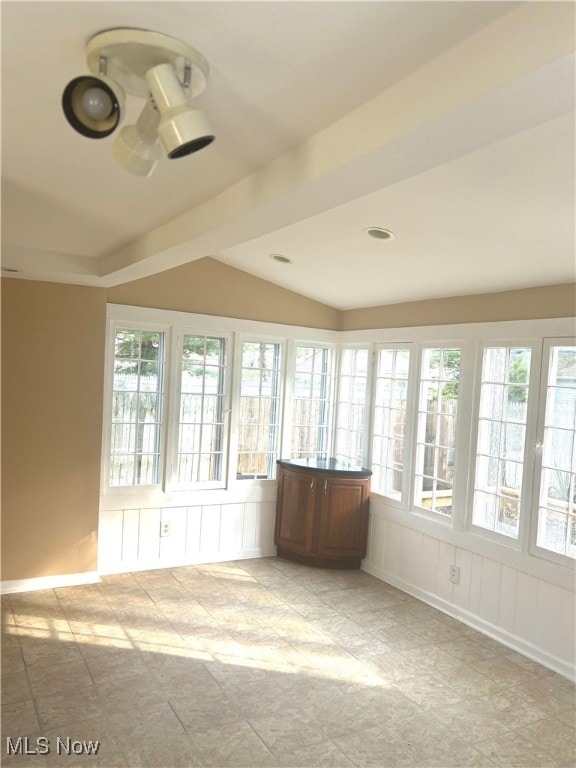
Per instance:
x=322, y=512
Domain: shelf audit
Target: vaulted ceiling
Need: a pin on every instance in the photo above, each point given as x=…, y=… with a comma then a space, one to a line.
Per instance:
x=449, y=123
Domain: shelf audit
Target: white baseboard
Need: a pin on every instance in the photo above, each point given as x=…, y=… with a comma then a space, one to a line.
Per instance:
x=48, y=582
x=130, y=566
x=514, y=642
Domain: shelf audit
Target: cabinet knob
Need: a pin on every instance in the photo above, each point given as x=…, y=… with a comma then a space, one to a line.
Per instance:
x=311, y=485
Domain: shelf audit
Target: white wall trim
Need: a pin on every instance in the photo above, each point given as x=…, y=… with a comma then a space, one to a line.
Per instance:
x=125, y=312
x=49, y=582
x=508, y=639
x=493, y=330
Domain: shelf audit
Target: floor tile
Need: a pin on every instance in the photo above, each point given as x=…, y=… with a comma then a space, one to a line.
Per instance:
x=396, y=666
x=269, y=663
x=60, y=678
x=47, y=652
x=324, y=754
x=554, y=735
x=206, y=711
x=372, y=748
x=235, y=744
x=15, y=687
x=145, y=724
x=513, y=751
x=12, y=659
x=19, y=718
x=429, y=692
x=457, y=755
x=161, y=750
x=474, y=720
x=64, y=708
x=130, y=693
x=280, y=734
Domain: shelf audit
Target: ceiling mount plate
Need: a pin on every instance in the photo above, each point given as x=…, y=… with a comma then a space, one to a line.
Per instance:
x=130, y=53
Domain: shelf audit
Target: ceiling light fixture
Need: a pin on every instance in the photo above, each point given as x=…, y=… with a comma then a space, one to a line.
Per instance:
x=379, y=234
x=149, y=65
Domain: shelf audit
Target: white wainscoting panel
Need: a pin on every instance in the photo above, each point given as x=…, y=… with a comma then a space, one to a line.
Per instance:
x=523, y=611
x=130, y=539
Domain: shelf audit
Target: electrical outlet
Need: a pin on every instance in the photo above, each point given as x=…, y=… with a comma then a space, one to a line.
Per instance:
x=454, y=574
x=165, y=528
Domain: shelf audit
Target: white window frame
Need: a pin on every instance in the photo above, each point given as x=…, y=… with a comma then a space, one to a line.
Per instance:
x=455, y=518
x=546, y=554
x=172, y=483
x=115, y=325
x=406, y=495
x=366, y=426
x=289, y=379
x=174, y=324
x=519, y=543
x=240, y=339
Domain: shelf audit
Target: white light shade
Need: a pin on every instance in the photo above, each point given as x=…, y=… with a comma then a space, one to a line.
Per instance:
x=182, y=129
x=184, y=133
x=137, y=148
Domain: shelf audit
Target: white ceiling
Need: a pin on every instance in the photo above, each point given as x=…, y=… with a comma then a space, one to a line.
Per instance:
x=449, y=123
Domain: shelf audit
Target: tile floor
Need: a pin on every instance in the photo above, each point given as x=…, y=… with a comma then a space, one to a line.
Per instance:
x=267, y=663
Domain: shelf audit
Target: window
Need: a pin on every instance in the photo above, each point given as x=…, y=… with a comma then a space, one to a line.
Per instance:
x=137, y=405
x=311, y=402
x=259, y=417
x=436, y=435
x=557, y=497
x=447, y=434
x=351, y=413
x=501, y=439
x=389, y=430
x=202, y=408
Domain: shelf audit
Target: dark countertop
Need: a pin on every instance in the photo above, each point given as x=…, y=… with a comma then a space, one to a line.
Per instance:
x=326, y=465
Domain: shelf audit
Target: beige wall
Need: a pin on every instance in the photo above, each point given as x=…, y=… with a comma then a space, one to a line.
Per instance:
x=209, y=287
x=52, y=378
x=527, y=304
x=52, y=365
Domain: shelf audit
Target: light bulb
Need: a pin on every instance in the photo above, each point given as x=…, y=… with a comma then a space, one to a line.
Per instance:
x=97, y=103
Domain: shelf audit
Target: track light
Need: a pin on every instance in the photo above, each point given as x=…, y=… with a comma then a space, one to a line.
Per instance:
x=93, y=105
x=182, y=129
x=156, y=67
x=137, y=147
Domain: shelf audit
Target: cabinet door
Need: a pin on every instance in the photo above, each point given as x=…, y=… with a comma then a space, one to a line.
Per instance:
x=295, y=510
x=343, y=517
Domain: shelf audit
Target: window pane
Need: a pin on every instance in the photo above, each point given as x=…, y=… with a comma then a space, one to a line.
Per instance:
x=436, y=437
x=137, y=395
x=311, y=402
x=202, y=390
x=501, y=439
x=350, y=415
x=259, y=410
x=390, y=421
x=556, y=514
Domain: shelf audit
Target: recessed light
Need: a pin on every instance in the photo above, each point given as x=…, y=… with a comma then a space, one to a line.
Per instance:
x=379, y=234
x=280, y=258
